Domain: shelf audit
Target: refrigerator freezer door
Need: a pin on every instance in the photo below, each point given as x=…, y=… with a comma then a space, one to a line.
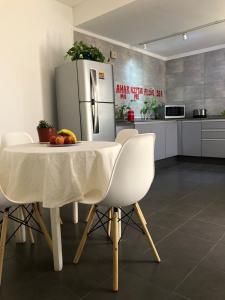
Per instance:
x=106, y=121
x=104, y=80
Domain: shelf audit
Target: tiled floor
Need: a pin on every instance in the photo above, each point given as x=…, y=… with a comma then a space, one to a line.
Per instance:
x=185, y=209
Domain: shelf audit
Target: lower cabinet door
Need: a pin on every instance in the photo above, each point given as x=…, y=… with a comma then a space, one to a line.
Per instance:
x=213, y=148
x=160, y=141
x=171, y=139
x=191, y=138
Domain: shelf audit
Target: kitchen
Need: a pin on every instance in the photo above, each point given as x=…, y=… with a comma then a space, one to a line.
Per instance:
x=168, y=62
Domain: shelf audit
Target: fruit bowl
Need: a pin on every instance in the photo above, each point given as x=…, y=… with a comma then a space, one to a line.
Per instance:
x=64, y=138
x=63, y=145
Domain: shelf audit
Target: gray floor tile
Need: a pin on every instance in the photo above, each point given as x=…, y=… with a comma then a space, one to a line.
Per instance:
x=185, y=211
x=204, y=284
x=200, y=229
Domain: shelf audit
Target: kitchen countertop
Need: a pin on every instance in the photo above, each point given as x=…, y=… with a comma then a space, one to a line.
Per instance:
x=141, y=121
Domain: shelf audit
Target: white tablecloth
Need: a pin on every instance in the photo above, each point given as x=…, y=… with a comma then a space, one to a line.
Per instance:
x=56, y=176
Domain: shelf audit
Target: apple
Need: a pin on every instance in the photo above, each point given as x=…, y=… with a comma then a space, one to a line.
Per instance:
x=52, y=139
x=68, y=140
x=59, y=140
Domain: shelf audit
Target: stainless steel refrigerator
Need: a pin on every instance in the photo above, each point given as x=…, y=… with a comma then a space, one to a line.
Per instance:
x=85, y=99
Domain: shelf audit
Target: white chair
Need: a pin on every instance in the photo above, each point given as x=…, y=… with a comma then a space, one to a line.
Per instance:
x=131, y=179
x=8, y=209
x=124, y=134
x=12, y=139
x=16, y=138
x=18, y=213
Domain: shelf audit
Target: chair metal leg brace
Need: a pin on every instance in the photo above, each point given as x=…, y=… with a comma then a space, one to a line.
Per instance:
x=29, y=230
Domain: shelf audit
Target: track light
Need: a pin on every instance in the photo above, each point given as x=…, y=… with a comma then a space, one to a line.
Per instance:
x=185, y=37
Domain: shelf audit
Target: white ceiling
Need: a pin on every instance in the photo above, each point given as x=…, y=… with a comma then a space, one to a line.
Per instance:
x=144, y=20
x=71, y=2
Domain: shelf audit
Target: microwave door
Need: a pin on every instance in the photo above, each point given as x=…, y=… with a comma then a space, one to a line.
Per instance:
x=174, y=111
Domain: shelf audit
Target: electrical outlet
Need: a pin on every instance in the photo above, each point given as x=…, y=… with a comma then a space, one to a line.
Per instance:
x=113, y=54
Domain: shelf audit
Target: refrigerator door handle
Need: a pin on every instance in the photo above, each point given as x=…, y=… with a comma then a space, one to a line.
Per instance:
x=94, y=100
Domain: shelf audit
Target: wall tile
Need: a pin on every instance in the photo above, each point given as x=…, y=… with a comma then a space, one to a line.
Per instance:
x=194, y=104
x=193, y=92
x=215, y=106
x=202, y=80
x=175, y=66
x=215, y=89
x=214, y=59
x=175, y=94
x=215, y=74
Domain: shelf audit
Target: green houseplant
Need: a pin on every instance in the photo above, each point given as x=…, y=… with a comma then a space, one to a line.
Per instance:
x=150, y=109
x=80, y=50
x=45, y=131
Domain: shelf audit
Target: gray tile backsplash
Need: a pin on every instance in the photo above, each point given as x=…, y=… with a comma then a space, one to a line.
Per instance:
x=197, y=81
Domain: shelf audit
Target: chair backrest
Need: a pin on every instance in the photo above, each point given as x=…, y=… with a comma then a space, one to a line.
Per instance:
x=124, y=134
x=16, y=138
x=133, y=172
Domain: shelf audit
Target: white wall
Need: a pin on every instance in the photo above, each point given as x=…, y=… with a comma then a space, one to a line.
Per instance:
x=35, y=35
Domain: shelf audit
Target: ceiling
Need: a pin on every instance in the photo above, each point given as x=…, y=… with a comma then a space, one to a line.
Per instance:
x=144, y=20
x=71, y=2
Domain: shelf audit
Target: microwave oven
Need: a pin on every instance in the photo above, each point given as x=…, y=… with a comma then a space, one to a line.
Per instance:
x=174, y=111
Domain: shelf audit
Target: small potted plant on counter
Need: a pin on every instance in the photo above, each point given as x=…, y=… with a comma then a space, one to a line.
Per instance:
x=45, y=131
x=150, y=109
x=121, y=112
x=155, y=106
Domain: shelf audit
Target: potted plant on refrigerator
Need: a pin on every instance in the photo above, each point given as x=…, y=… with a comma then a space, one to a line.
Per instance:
x=80, y=50
x=45, y=131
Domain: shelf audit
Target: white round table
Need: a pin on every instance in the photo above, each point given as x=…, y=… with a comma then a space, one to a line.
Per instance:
x=56, y=176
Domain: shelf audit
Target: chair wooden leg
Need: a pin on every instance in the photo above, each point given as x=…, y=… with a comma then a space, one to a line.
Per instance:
x=89, y=213
x=3, y=241
x=42, y=226
x=140, y=211
x=110, y=222
x=39, y=206
x=115, y=233
x=143, y=223
x=85, y=235
x=29, y=230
